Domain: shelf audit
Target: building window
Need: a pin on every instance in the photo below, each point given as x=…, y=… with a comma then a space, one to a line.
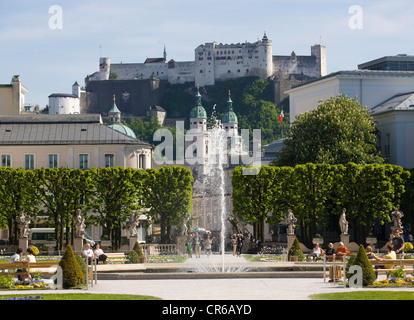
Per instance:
x=53, y=161
x=29, y=162
x=141, y=162
x=387, y=146
x=83, y=161
x=6, y=160
x=109, y=160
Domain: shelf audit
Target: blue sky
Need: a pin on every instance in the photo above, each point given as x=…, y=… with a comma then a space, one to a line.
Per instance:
x=51, y=60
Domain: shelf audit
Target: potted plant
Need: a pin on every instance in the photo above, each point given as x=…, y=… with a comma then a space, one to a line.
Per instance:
x=317, y=239
x=371, y=240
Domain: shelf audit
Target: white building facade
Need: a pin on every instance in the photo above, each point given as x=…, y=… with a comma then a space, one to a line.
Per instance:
x=388, y=93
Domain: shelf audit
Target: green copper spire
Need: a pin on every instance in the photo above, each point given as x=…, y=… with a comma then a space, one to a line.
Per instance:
x=229, y=116
x=198, y=111
x=114, y=108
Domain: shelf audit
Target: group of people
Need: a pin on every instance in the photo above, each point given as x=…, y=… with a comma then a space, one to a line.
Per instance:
x=17, y=257
x=96, y=254
x=196, y=241
x=237, y=242
x=317, y=252
x=395, y=247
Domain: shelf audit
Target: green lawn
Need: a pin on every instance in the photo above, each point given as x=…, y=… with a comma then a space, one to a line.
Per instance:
x=365, y=295
x=82, y=296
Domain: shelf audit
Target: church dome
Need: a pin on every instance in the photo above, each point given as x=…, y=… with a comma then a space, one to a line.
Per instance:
x=229, y=116
x=115, y=122
x=122, y=129
x=198, y=112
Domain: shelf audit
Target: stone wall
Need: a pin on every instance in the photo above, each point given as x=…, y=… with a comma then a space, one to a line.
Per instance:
x=133, y=97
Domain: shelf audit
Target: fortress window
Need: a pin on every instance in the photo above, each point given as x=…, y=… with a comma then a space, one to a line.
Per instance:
x=228, y=71
x=201, y=71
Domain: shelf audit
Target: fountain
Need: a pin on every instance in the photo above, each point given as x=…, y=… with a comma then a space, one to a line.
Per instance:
x=216, y=160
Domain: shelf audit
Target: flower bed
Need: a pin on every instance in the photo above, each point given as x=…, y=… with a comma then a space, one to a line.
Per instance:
x=166, y=259
x=393, y=282
x=25, y=298
x=268, y=258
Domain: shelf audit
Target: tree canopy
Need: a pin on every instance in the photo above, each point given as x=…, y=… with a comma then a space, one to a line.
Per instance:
x=340, y=130
x=316, y=191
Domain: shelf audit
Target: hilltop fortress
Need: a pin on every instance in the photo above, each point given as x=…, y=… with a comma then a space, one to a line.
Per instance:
x=212, y=62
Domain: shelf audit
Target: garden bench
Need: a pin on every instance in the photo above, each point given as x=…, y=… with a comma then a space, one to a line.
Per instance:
x=46, y=267
x=395, y=263
x=119, y=256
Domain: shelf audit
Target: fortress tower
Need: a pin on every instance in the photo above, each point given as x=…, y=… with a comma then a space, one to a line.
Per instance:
x=319, y=52
x=104, y=68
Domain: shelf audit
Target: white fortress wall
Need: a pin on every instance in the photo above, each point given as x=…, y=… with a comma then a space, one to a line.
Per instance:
x=127, y=71
x=181, y=72
x=214, y=61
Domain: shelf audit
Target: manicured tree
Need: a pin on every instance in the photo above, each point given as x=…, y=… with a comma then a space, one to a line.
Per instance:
x=72, y=272
x=338, y=131
x=361, y=259
x=62, y=192
x=115, y=199
x=370, y=192
x=17, y=195
x=167, y=192
x=295, y=250
x=407, y=199
x=253, y=196
x=312, y=184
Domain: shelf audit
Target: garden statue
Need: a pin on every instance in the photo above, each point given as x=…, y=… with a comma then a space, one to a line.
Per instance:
x=290, y=221
x=132, y=224
x=80, y=225
x=396, y=219
x=184, y=228
x=343, y=223
x=23, y=222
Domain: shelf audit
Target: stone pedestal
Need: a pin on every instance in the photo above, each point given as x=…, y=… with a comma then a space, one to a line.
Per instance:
x=106, y=244
x=181, y=240
x=132, y=241
x=23, y=243
x=317, y=240
x=77, y=245
x=51, y=247
x=345, y=239
x=290, y=239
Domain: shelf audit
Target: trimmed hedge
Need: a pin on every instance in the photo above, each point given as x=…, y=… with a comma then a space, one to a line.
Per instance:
x=72, y=272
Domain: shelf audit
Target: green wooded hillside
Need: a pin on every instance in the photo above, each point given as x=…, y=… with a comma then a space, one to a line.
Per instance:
x=253, y=102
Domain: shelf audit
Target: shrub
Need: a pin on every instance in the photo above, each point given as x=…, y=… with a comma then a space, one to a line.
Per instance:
x=72, y=272
x=295, y=250
x=137, y=248
x=6, y=282
x=361, y=259
x=133, y=257
x=408, y=246
x=397, y=273
x=82, y=264
x=349, y=264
